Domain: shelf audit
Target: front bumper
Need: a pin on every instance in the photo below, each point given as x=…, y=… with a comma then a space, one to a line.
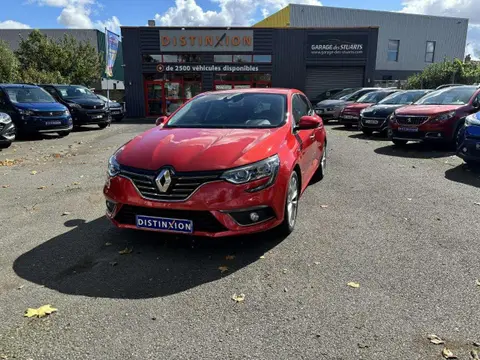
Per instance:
x=7, y=133
x=86, y=117
x=347, y=119
x=39, y=124
x=217, y=208
x=469, y=143
x=425, y=132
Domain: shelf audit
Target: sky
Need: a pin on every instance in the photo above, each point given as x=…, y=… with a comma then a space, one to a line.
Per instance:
x=112, y=14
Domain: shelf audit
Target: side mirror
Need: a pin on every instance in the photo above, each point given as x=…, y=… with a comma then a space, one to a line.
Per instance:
x=161, y=120
x=476, y=103
x=308, y=123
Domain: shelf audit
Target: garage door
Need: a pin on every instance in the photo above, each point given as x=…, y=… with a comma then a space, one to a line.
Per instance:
x=321, y=79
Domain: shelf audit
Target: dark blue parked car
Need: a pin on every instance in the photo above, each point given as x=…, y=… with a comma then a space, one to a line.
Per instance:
x=468, y=141
x=33, y=110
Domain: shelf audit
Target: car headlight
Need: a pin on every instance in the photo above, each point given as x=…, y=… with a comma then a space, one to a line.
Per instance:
x=445, y=117
x=113, y=166
x=472, y=120
x=26, y=112
x=267, y=168
x=5, y=118
x=66, y=113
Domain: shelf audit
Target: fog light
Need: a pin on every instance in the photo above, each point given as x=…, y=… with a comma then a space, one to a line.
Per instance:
x=464, y=149
x=110, y=206
x=254, y=216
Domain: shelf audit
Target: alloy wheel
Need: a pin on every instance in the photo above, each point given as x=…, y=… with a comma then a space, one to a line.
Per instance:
x=292, y=201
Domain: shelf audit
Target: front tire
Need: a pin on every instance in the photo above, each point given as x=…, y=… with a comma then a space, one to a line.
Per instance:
x=103, y=125
x=291, y=206
x=367, y=132
x=5, y=145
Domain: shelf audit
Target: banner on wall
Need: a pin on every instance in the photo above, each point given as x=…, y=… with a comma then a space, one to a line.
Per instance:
x=112, y=49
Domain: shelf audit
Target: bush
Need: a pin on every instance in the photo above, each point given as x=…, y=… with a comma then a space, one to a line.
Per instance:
x=8, y=64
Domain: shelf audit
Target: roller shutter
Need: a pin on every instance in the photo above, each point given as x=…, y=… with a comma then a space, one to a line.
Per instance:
x=320, y=79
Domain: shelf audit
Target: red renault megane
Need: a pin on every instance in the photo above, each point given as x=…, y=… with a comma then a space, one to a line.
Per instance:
x=225, y=163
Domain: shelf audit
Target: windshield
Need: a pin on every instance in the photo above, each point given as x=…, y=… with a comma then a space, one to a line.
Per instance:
x=21, y=95
x=401, y=98
x=372, y=97
x=339, y=95
x=102, y=97
x=232, y=111
x=74, y=91
x=449, y=96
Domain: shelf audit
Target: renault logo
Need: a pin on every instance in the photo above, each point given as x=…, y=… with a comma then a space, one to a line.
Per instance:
x=163, y=180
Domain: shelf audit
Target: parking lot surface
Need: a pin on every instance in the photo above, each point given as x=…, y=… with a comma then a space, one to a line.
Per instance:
x=403, y=224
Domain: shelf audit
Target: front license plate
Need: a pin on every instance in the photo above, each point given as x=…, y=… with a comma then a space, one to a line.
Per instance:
x=373, y=122
x=408, y=129
x=53, y=123
x=164, y=224
x=350, y=117
x=97, y=116
x=116, y=112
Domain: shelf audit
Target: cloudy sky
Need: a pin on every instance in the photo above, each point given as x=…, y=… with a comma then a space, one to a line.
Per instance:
x=114, y=13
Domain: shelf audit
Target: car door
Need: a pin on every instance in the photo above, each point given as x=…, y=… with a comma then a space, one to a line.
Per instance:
x=306, y=138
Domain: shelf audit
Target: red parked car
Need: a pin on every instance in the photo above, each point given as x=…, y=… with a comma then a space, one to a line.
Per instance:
x=350, y=115
x=225, y=163
x=438, y=116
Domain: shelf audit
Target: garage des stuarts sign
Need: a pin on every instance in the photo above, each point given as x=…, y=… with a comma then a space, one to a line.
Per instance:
x=337, y=46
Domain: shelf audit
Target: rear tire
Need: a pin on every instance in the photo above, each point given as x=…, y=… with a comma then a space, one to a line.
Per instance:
x=291, y=206
x=400, y=143
x=322, y=167
x=5, y=145
x=367, y=132
x=103, y=125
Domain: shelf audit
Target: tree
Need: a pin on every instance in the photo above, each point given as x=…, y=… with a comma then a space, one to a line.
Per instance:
x=66, y=61
x=8, y=64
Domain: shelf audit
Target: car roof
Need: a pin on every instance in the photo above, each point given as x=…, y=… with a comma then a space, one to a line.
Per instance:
x=19, y=85
x=281, y=91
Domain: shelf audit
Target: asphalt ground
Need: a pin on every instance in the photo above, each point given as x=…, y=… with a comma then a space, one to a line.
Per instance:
x=403, y=224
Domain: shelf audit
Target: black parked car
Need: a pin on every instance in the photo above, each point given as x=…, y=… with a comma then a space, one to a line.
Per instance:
x=325, y=95
x=375, y=118
x=86, y=108
x=7, y=131
x=116, y=109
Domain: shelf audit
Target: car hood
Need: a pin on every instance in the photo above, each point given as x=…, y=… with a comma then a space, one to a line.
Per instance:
x=114, y=105
x=86, y=101
x=381, y=111
x=200, y=149
x=426, y=110
x=41, y=106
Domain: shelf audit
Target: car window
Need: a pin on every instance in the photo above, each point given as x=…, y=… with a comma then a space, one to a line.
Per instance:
x=232, y=110
x=51, y=90
x=28, y=95
x=75, y=91
x=449, y=96
x=357, y=95
x=299, y=108
x=401, y=98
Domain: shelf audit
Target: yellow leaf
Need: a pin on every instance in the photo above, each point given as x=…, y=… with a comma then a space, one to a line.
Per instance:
x=223, y=269
x=238, y=298
x=434, y=339
x=262, y=257
x=126, y=251
x=324, y=206
x=5, y=186
x=474, y=355
x=477, y=282
x=448, y=354
x=229, y=257
x=42, y=311
x=353, y=284
x=41, y=187
x=76, y=183
x=34, y=172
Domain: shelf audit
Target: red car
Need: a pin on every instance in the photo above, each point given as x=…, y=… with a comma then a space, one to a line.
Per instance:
x=350, y=114
x=438, y=116
x=225, y=163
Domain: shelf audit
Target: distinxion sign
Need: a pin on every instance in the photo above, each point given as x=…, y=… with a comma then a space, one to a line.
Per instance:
x=341, y=46
x=206, y=40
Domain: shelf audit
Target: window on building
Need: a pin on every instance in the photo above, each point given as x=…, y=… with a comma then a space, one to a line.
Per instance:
x=262, y=58
x=222, y=58
x=172, y=58
x=393, y=46
x=242, y=58
x=430, y=52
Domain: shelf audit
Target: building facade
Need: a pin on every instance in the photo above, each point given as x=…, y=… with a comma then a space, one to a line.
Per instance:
x=407, y=43
x=164, y=67
x=95, y=38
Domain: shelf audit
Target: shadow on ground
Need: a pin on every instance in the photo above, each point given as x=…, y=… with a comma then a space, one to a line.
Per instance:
x=132, y=121
x=343, y=128
x=416, y=151
x=465, y=175
x=373, y=137
x=86, y=261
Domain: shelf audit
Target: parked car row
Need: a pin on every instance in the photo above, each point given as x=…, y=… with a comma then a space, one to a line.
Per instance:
x=27, y=109
x=448, y=114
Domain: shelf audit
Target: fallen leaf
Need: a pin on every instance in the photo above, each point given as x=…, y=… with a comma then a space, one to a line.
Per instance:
x=284, y=271
x=477, y=344
x=42, y=311
x=41, y=187
x=126, y=251
x=409, y=199
x=434, y=339
x=362, y=346
x=5, y=186
x=20, y=287
x=108, y=243
x=477, y=282
x=76, y=183
x=324, y=206
x=353, y=284
x=262, y=257
x=477, y=203
x=8, y=162
x=65, y=213
x=223, y=269
x=57, y=155
x=474, y=355
x=285, y=290
x=317, y=263
x=34, y=172
x=448, y=354
x=238, y=298
x=229, y=257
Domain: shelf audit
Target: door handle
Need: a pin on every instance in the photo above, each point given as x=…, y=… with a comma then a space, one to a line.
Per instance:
x=312, y=137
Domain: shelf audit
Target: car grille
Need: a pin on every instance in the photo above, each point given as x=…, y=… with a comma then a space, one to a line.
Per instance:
x=181, y=187
x=93, y=107
x=411, y=120
x=50, y=113
x=202, y=220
